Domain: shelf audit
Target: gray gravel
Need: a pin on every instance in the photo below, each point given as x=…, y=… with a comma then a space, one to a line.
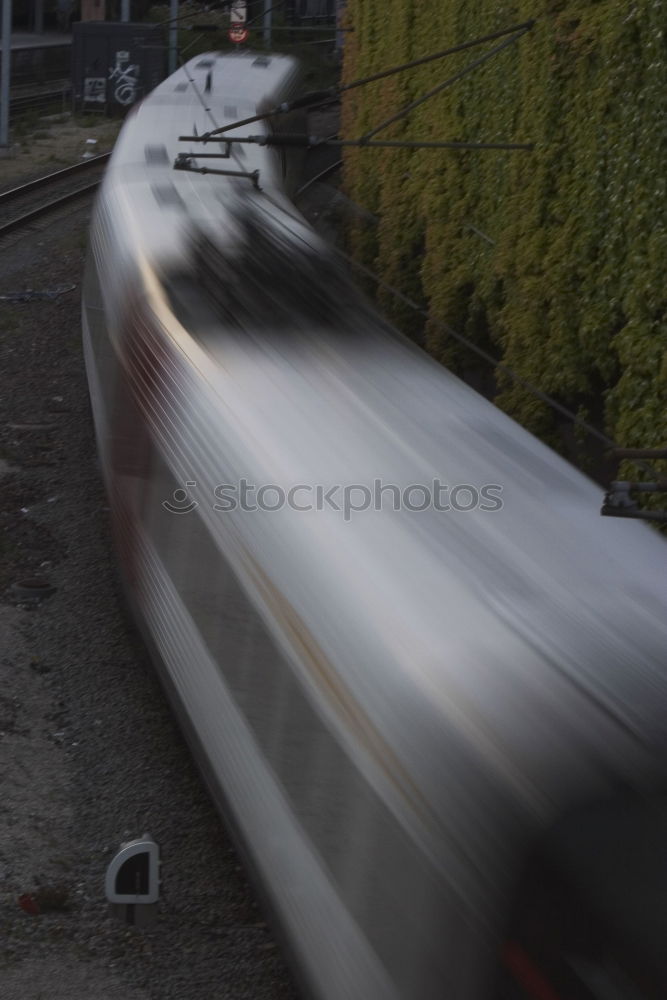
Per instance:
x=89, y=752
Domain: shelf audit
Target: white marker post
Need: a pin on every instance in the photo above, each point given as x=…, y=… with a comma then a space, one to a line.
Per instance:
x=132, y=883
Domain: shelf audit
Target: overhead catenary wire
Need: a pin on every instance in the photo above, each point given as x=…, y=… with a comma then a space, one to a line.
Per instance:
x=314, y=99
x=422, y=60
x=479, y=351
x=319, y=177
x=638, y=455
x=305, y=27
x=194, y=13
x=311, y=141
x=262, y=14
x=500, y=366
x=443, y=86
x=190, y=45
x=225, y=7
x=489, y=358
x=332, y=94
x=312, y=41
x=306, y=100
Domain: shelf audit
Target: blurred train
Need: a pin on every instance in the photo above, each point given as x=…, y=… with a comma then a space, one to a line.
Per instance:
x=424, y=679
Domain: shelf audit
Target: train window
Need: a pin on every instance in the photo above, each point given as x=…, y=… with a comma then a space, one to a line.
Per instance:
x=591, y=915
x=166, y=194
x=156, y=153
x=268, y=280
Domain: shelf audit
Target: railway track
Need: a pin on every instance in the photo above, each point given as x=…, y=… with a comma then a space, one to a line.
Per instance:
x=50, y=95
x=24, y=206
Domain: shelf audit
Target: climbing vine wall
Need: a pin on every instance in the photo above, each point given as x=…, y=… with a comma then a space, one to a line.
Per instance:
x=555, y=259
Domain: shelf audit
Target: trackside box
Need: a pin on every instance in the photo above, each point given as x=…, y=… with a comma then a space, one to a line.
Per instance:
x=115, y=64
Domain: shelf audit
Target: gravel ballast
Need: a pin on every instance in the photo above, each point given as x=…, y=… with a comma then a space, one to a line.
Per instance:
x=90, y=754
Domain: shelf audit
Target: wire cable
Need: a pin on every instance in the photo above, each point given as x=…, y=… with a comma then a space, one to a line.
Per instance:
x=312, y=99
x=332, y=93
x=443, y=86
x=497, y=364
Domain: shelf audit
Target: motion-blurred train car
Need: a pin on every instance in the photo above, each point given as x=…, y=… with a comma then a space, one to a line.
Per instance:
x=424, y=679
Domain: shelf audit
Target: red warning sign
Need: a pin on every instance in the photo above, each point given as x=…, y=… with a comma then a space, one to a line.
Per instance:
x=238, y=33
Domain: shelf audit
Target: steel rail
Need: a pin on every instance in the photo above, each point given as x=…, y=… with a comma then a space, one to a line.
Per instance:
x=23, y=103
x=40, y=182
x=35, y=213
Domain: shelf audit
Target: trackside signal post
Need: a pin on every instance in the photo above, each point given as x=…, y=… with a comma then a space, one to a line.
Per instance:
x=238, y=14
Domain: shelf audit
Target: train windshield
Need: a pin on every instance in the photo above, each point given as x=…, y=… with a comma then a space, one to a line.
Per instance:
x=590, y=921
x=264, y=282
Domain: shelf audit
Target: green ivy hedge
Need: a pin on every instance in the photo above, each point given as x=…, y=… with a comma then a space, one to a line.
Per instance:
x=554, y=259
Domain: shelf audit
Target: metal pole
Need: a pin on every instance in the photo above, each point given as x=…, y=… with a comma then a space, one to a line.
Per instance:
x=268, y=16
x=340, y=11
x=125, y=10
x=4, y=72
x=173, y=36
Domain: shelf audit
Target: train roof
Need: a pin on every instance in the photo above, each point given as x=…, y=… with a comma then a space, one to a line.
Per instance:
x=242, y=80
x=163, y=204
x=540, y=611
